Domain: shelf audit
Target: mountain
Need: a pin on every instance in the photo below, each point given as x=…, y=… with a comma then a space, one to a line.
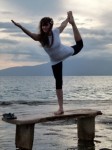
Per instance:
x=71, y=67
x=38, y=70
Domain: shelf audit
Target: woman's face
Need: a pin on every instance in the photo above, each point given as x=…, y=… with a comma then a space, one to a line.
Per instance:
x=46, y=27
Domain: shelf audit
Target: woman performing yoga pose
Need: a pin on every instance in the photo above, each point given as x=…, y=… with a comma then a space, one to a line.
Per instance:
x=50, y=41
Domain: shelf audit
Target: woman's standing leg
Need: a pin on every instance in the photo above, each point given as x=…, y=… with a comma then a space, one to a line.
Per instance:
x=59, y=93
x=57, y=72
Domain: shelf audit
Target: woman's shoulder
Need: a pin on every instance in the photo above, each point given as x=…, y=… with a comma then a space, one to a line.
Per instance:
x=56, y=30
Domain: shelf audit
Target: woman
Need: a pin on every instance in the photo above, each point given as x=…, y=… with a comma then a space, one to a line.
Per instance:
x=50, y=41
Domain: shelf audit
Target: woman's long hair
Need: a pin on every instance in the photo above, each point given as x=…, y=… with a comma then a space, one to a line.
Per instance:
x=43, y=37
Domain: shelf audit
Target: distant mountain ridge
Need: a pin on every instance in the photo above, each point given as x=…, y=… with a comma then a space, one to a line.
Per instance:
x=38, y=70
x=71, y=67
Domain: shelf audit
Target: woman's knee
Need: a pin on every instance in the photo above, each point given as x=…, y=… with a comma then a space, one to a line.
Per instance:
x=78, y=47
x=59, y=84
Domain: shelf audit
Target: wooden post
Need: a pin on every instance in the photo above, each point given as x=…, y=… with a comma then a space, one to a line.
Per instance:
x=24, y=136
x=86, y=145
x=86, y=128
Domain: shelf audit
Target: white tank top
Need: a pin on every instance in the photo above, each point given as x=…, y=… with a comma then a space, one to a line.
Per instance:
x=58, y=52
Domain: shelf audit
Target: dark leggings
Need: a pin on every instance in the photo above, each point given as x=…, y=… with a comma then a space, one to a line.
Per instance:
x=57, y=69
x=57, y=72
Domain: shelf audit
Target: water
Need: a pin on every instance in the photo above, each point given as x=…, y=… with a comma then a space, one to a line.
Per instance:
x=32, y=95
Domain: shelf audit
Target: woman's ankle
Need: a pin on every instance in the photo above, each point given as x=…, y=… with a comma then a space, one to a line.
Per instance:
x=59, y=112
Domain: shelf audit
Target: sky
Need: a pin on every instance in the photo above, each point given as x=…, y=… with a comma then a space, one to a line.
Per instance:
x=93, y=19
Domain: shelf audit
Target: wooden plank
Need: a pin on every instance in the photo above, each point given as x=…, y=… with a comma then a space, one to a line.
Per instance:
x=49, y=117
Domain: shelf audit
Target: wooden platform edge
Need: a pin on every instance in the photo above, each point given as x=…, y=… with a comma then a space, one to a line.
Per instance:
x=76, y=114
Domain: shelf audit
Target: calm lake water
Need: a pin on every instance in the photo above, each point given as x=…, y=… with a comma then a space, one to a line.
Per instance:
x=36, y=95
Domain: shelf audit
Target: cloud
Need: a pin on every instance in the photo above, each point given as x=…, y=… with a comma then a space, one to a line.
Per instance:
x=94, y=23
x=36, y=8
x=106, y=19
x=28, y=52
x=8, y=41
x=10, y=27
x=5, y=25
x=18, y=46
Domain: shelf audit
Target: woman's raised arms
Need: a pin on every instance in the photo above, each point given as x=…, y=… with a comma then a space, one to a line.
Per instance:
x=34, y=36
x=63, y=25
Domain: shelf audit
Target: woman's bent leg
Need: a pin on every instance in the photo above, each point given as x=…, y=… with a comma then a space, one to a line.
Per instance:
x=77, y=48
x=77, y=37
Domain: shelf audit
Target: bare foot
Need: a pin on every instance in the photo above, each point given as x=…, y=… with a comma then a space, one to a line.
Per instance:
x=59, y=112
x=70, y=17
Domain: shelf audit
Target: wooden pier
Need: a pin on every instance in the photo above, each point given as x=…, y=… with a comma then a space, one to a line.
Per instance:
x=24, y=135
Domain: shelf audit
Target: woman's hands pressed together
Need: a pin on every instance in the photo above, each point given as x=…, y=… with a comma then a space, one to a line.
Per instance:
x=70, y=17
